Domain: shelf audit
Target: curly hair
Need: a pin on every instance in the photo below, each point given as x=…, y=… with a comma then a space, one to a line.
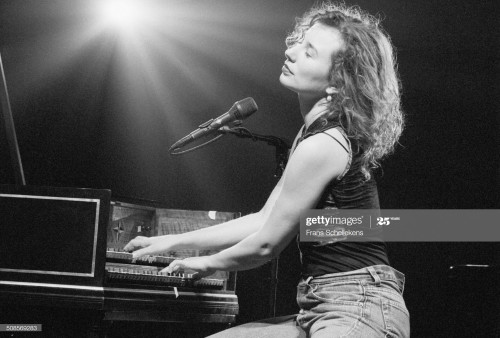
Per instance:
x=364, y=72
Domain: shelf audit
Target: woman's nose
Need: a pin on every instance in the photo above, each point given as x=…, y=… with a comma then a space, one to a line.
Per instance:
x=289, y=54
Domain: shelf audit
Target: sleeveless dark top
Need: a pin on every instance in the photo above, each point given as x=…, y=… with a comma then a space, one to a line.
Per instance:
x=350, y=190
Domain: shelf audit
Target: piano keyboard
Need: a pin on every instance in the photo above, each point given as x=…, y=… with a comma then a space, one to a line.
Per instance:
x=121, y=267
x=126, y=257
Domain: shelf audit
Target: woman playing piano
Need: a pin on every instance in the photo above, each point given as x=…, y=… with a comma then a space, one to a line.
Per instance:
x=340, y=63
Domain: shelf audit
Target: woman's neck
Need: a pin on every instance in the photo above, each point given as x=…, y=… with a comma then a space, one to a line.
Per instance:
x=311, y=109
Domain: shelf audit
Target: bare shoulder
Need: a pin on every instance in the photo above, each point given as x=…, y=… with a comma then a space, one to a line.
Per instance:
x=322, y=145
x=321, y=152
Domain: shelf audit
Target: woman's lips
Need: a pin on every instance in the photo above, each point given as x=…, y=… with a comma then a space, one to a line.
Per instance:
x=285, y=69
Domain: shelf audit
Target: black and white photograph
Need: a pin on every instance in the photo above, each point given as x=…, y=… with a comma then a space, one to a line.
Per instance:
x=266, y=168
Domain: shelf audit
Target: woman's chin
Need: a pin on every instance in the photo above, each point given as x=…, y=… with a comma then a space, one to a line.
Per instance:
x=285, y=82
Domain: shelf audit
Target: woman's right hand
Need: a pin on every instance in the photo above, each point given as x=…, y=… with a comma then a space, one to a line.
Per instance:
x=141, y=246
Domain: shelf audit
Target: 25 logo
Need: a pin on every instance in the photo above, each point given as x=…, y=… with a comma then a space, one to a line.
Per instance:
x=383, y=221
x=386, y=220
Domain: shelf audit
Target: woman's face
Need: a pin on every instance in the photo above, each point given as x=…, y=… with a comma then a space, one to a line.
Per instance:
x=307, y=66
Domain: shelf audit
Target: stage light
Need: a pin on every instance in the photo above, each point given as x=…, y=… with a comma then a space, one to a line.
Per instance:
x=123, y=15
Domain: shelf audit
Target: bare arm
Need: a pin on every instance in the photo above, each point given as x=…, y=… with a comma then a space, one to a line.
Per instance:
x=219, y=236
x=316, y=161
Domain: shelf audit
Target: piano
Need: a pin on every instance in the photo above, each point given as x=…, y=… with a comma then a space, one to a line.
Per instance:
x=63, y=248
x=61, y=254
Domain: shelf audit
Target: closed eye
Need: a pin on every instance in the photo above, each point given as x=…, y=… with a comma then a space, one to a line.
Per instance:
x=310, y=50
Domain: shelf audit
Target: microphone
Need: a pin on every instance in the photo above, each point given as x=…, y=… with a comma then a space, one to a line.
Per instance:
x=239, y=111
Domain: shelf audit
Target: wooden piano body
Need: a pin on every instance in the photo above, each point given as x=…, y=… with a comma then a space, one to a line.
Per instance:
x=62, y=248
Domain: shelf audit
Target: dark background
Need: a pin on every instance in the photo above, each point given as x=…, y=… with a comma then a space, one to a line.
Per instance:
x=101, y=115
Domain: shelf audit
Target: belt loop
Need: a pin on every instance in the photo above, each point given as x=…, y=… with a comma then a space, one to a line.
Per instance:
x=375, y=276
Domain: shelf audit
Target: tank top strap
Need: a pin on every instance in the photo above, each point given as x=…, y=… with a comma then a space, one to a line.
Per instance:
x=349, y=150
x=333, y=137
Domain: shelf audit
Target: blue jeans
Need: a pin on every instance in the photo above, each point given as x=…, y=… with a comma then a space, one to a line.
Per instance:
x=363, y=303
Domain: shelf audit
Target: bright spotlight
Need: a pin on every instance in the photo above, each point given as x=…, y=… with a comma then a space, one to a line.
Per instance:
x=122, y=14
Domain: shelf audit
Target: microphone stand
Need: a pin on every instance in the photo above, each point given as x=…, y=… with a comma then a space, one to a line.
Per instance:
x=281, y=146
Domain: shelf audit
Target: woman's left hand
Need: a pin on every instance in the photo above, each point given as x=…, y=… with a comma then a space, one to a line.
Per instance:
x=199, y=265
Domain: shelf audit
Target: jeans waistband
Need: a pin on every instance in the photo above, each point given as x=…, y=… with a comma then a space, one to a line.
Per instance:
x=374, y=273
